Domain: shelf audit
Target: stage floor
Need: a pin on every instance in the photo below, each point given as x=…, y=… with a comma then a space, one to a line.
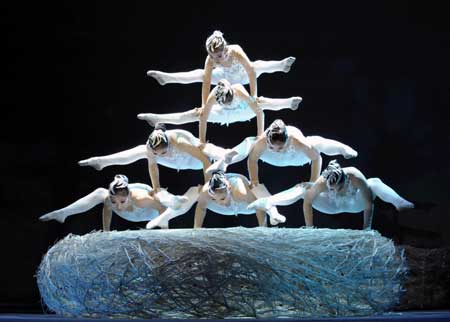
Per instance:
x=412, y=316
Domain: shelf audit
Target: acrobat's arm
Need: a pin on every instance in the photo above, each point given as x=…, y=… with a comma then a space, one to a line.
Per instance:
x=200, y=211
x=206, y=86
x=252, y=102
x=361, y=183
x=310, y=195
x=253, y=157
x=153, y=171
x=204, y=115
x=313, y=155
x=106, y=217
x=248, y=66
x=196, y=153
x=120, y=158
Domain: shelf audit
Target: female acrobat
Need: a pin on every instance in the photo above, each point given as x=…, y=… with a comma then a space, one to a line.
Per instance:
x=282, y=145
x=337, y=190
x=225, y=194
x=224, y=61
x=134, y=202
x=175, y=149
x=226, y=104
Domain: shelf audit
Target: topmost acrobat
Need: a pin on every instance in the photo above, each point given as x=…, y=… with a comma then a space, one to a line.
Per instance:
x=224, y=61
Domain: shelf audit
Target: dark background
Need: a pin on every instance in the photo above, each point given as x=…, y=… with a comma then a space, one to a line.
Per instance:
x=74, y=78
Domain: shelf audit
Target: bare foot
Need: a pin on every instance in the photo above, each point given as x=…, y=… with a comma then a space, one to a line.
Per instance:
x=295, y=102
x=287, y=64
x=159, y=76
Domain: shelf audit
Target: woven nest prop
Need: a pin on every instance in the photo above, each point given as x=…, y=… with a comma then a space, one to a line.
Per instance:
x=222, y=273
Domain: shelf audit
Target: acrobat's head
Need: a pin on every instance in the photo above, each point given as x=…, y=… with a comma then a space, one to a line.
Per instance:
x=119, y=194
x=219, y=188
x=224, y=92
x=158, y=142
x=276, y=135
x=334, y=176
x=216, y=46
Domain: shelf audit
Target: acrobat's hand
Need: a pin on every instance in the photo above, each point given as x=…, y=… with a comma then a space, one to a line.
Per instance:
x=54, y=215
x=91, y=162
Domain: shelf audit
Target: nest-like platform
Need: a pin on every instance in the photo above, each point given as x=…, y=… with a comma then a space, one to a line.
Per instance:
x=222, y=273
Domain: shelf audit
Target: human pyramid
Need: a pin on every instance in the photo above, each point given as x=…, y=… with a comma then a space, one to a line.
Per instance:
x=335, y=190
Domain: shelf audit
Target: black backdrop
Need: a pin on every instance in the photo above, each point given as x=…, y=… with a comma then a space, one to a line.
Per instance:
x=372, y=76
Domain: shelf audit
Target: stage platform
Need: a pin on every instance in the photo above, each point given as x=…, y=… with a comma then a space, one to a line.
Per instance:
x=412, y=316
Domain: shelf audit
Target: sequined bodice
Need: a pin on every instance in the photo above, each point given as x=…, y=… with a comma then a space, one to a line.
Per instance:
x=233, y=73
x=236, y=104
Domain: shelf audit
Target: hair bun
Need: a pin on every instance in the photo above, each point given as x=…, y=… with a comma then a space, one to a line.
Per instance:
x=121, y=178
x=160, y=126
x=120, y=182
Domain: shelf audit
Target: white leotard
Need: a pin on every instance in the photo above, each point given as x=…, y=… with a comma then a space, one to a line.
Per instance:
x=180, y=160
x=235, y=73
x=289, y=156
x=235, y=207
x=137, y=214
x=330, y=202
x=237, y=111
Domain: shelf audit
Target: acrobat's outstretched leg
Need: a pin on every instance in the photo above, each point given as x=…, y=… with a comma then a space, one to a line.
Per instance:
x=120, y=158
x=387, y=194
x=170, y=213
x=331, y=147
x=196, y=76
x=172, y=118
x=169, y=200
x=225, y=157
x=273, y=66
x=284, y=198
x=260, y=191
x=276, y=104
x=193, y=76
x=84, y=204
x=241, y=151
